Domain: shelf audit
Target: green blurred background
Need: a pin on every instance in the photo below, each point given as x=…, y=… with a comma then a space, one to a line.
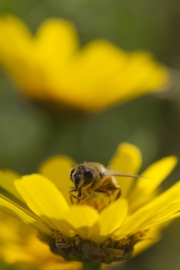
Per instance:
x=29, y=135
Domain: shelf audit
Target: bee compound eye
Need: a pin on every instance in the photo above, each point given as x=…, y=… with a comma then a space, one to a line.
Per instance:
x=88, y=176
x=77, y=180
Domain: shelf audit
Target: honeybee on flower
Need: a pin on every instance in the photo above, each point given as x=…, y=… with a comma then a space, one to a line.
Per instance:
x=94, y=177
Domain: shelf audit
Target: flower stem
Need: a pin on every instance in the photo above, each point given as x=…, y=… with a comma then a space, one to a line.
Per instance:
x=91, y=266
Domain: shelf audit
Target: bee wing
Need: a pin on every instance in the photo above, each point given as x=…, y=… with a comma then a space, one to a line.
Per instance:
x=113, y=173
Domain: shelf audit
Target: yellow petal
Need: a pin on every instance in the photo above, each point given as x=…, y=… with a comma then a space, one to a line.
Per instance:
x=50, y=67
x=155, y=174
x=149, y=214
x=112, y=217
x=22, y=214
x=13, y=30
x=12, y=254
x=7, y=178
x=82, y=220
x=151, y=237
x=9, y=228
x=56, y=43
x=171, y=212
x=42, y=197
x=64, y=265
x=109, y=70
x=127, y=159
x=19, y=245
x=57, y=169
x=15, y=41
x=101, y=60
x=147, y=75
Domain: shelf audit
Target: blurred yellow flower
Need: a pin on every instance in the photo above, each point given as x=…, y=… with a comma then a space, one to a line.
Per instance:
x=20, y=247
x=86, y=233
x=50, y=66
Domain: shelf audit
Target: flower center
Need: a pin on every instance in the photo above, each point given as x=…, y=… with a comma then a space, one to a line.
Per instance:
x=87, y=250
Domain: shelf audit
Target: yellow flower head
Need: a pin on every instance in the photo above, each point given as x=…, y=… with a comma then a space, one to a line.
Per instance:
x=88, y=232
x=50, y=66
x=20, y=247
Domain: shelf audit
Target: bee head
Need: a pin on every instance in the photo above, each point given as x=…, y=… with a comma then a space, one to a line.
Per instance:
x=82, y=177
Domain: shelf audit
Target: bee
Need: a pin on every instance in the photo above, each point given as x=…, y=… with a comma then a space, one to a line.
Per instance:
x=92, y=177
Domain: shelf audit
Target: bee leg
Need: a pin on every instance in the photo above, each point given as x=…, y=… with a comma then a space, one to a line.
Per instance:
x=118, y=193
x=87, y=196
x=113, y=191
x=71, y=199
x=79, y=197
x=88, y=191
x=79, y=194
x=72, y=195
x=78, y=200
x=110, y=191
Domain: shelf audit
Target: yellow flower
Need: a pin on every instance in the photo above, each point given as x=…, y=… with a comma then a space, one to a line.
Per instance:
x=20, y=247
x=50, y=66
x=81, y=232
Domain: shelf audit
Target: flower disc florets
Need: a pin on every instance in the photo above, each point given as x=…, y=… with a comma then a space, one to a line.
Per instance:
x=88, y=251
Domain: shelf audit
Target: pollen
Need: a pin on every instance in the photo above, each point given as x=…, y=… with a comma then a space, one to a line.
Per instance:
x=127, y=243
x=97, y=203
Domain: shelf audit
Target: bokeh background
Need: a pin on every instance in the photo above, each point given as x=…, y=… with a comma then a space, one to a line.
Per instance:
x=30, y=134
